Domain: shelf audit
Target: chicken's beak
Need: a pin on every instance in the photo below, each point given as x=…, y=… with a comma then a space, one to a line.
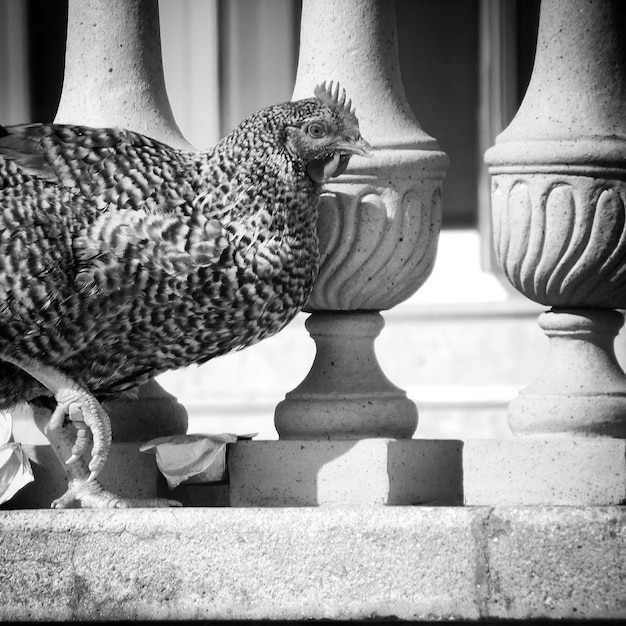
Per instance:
x=322, y=170
x=358, y=147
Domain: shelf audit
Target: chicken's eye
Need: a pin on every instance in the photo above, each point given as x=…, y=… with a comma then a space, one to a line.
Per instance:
x=316, y=130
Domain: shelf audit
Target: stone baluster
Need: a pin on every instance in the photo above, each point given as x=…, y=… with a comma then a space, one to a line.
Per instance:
x=378, y=227
x=559, y=207
x=346, y=426
x=113, y=77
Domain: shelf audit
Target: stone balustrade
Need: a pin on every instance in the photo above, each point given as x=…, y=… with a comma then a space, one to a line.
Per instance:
x=558, y=206
x=349, y=437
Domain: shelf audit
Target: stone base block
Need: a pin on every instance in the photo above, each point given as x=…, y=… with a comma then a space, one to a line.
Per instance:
x=348, y=472
x=577, y=471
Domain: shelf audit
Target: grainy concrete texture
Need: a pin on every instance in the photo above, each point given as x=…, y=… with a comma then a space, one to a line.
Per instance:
x=535, y=470
x=349, y=472
x=325, y=563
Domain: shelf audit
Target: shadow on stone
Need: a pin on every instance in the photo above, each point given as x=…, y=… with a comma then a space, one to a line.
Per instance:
x=429, y=473
x=346, y=472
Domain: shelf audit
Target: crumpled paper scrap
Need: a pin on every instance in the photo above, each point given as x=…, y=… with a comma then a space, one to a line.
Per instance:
x=181, y=457
x=15, y=469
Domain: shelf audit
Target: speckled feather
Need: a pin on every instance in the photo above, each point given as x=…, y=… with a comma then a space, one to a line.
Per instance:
x=121, y=257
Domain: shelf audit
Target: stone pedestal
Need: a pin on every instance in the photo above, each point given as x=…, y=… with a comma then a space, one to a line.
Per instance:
x=346, y=395
x=581, y=390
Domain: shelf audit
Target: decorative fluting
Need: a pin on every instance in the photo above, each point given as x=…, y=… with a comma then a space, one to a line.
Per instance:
x=378, y=246
x=561, y=240
x=559, y=168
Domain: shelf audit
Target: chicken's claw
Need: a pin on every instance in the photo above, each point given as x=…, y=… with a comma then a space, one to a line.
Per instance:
x=86, y=413
x=91, y=495
x=83, y=410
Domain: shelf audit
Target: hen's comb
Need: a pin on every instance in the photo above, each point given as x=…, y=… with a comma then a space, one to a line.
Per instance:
x=334, y=95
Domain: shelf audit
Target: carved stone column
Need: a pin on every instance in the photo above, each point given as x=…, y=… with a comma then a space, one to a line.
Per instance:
x=378, y=227
x=113, y=77
x=559, y=207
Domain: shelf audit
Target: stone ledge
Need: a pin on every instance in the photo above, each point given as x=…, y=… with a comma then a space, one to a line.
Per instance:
x=412, y=563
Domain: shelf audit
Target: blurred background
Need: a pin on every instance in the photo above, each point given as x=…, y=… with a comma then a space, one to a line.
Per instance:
x=464, y=345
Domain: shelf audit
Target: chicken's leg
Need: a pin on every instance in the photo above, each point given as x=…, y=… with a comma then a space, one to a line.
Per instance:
x=72, y=444
x=76, y=402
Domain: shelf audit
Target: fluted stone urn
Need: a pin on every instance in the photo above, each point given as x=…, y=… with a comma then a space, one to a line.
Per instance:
x=559, y=216
x=378, y=228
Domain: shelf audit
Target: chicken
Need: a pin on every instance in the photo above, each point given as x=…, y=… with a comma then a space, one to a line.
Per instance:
x=122, y=258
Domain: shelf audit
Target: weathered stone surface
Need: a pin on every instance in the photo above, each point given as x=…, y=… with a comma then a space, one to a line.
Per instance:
x=557, y=563
x=532, y=471
x=346, y=395
x=323, y=563
x=113, y=70
x=238, y=564
x=369, y=471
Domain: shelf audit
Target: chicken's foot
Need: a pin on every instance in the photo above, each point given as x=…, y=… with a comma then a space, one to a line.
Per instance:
x=79, y=405
x=87, y=414
x=91, y=495
x=82, y=490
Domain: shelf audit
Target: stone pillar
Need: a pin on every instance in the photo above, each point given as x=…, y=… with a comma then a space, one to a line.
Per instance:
x=113, y=77
x=378, y=227
x=559, y=207
x=113, y=69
